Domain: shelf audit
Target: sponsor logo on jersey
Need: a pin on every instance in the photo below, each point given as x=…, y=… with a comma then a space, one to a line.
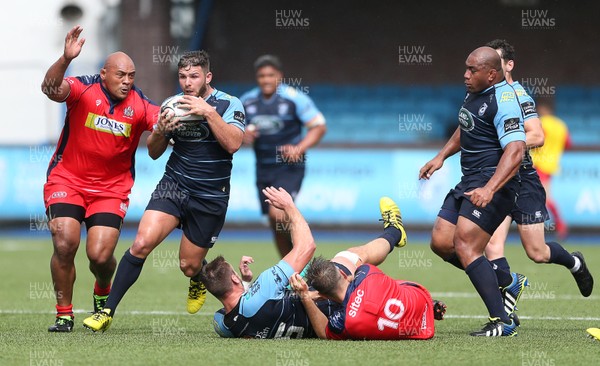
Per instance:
x=239, y=116
x=283, y=109
x=267, y=125
x=465, y=120
x=123, y=207
x=482, y=109
x=424, y=319
x=98, y=102
x=252, y=290
x=356, y=303
x=276, y=276
x=507, y=97
x=263, y=334
x=520, y=92
x=511, y=124
x=58, y=194
x=128, y=112
x=528, y=108
x=477, y=213
x=214, y=239
x=107, y=125
x=192, y=131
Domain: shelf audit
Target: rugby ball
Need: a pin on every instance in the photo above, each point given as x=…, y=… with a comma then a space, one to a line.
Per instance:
x=172, y=105
x=219, y=324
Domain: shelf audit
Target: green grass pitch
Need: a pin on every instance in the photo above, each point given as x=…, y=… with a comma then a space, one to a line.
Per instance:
x=151, y=326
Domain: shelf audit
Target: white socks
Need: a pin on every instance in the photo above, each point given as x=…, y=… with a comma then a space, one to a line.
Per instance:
x=577, y=265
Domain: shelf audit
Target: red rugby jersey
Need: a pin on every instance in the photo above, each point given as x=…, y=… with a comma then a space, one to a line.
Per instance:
x=96, y=149
x=377, y=306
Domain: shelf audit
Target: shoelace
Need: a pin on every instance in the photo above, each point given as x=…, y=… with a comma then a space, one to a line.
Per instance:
x=388, y=216
x=492, y=321
x=195, y=291
x=99, y=315
x=62, y=321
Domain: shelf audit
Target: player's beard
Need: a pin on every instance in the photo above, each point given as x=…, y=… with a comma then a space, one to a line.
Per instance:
x=202, y=91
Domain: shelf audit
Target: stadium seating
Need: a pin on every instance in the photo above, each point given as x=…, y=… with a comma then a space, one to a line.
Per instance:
x=408, y=114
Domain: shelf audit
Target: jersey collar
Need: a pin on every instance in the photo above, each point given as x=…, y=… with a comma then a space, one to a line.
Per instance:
x=212, y=94
x=113, y=103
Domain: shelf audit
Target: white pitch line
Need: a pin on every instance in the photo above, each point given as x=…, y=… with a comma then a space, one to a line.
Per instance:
x=527, y=317
x=535, y=295
x=181, y=313
x=81, y=311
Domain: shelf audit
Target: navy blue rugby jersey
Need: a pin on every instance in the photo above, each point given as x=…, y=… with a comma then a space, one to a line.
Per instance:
x=489, y=121
x=278, y=120
x=198, y=163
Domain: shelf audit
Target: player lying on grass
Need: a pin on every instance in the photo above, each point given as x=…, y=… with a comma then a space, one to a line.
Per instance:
x=268, y=309
x=373, y=305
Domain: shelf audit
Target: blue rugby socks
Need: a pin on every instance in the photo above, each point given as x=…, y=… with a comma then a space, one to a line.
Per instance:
x=128, y=272
x=484, y=280
x=559, y=255
x=502, y=270
x=392, y=235
x=453, y=260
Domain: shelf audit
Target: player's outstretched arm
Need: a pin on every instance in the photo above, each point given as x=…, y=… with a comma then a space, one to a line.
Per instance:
x=317, y=319
x=507, y=167
x=302, y=239
x=451, y=148
x=54, y=85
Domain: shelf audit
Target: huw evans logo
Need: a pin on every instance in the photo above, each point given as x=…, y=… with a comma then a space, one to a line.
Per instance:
x=291, y=19
x=165, y=55
x=538, y=87
x=413, y=55
x=536, y=19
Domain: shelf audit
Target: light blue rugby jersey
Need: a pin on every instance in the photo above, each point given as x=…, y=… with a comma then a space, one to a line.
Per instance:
x=529, y=111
